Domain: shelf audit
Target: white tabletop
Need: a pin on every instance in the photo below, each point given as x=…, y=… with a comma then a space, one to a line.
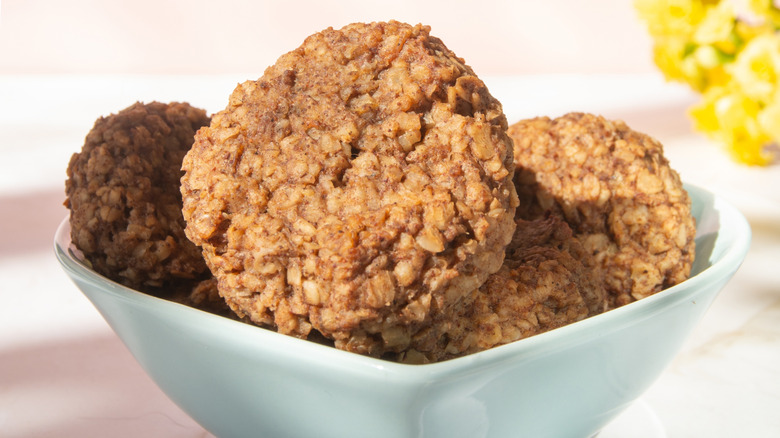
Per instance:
x=63, y=373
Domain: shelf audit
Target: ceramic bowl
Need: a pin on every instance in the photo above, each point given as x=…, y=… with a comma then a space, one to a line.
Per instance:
x=237, y=380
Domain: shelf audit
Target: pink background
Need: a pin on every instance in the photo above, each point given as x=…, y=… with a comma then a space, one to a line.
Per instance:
x=496, y=37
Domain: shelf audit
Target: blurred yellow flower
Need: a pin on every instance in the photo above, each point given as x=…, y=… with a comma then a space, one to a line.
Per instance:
x=711, y=63
x=716, y=25
x=671, y=17
x=769, y=117
x=757, y=67
x=667, y=56
x=739, y=128
x=703, y=113
x=732, y=119
x=768, y=9
x=729, y=51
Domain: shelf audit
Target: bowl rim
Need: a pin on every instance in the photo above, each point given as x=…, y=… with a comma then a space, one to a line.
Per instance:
x=733, y=227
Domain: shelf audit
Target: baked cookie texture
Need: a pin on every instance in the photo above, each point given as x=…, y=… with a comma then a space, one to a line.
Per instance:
x=362, y=185
x=548, y=280
x=616, y=190
x=202, y=295
x=123, y=194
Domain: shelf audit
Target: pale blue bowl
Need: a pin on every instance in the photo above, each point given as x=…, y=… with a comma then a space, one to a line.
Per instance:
x=238, y=380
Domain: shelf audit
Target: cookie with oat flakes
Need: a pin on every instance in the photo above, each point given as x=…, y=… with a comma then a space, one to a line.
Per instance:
x=361, y=184
x=123, y=194
x=548, y=280
x=617, y=191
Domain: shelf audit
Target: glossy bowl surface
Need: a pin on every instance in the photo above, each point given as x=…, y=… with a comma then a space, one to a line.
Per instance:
x=238, y=380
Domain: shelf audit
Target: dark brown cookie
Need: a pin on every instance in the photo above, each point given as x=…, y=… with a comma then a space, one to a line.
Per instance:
x=124, y=199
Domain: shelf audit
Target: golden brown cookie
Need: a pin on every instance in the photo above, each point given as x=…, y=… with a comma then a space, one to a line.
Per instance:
x=547, y=281
x=362, y=182
x=124, y=200
x=616, y=190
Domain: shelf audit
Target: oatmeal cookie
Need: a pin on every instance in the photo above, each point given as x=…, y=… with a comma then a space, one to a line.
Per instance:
x=364, y=180
x=547, y=281
x=202, y=295
x=616, y=190
x=124, y=200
